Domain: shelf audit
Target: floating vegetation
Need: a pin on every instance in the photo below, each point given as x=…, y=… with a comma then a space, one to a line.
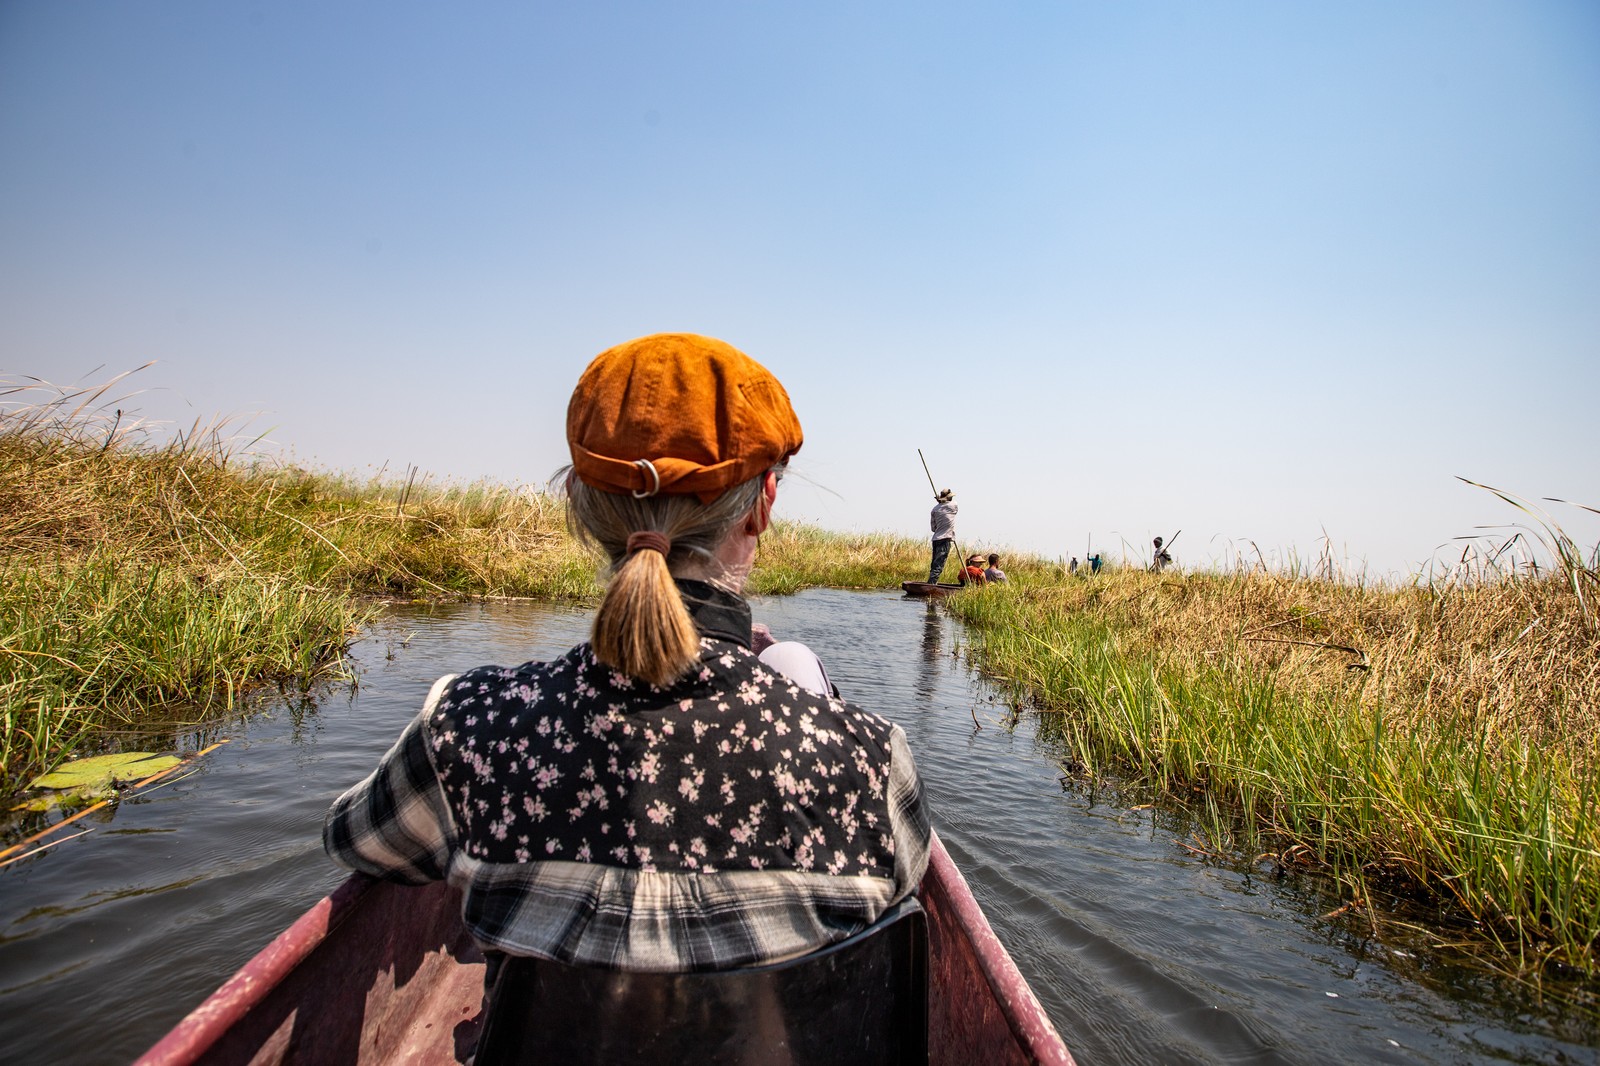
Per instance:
x=82, y=780
x=98, y=775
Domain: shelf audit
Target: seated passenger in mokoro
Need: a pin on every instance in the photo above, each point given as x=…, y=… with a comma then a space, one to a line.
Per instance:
x=973, y=571
x=658, y=798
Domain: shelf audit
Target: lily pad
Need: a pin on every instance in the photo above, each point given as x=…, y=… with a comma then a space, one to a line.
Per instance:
x=99, y=772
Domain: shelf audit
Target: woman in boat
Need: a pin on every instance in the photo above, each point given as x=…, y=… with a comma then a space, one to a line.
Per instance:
x=658, y=798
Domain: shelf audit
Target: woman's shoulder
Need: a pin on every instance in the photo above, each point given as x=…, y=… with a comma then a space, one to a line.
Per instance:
x=859, y=723
x=759, y=686
x=492, y=683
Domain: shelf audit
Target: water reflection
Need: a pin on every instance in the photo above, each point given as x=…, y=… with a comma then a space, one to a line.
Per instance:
x=926, y=681
x=1139, y=951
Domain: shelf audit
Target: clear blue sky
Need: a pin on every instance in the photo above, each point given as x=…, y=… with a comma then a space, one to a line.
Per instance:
x=1258, y=271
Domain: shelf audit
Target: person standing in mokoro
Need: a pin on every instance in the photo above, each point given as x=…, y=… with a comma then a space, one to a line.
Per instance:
x=943, y=523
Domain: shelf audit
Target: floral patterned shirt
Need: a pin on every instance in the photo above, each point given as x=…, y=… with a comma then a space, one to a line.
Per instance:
x=730, y=819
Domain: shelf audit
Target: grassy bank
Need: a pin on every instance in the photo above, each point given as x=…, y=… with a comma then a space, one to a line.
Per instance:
x=1438, y=742
x=141, y=581
x=144, y=582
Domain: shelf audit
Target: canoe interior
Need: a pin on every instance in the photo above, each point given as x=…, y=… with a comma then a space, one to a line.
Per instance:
x=384, y=973
x=375, y=973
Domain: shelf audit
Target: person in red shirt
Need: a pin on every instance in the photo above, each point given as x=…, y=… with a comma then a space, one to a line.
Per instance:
x=975, y=574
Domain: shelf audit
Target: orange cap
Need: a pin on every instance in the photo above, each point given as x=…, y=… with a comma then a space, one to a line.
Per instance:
x=680, y=414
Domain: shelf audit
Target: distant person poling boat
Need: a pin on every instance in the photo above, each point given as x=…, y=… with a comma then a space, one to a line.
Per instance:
x=942, y=521
x=942, y=526
x=1161, y=559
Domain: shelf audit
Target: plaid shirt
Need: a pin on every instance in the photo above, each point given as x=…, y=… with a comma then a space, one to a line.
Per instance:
x=730, y=819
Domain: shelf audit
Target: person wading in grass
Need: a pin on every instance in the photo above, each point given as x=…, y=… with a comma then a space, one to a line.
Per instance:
x=1162, y=558
x=658, y=798
x=943, y=523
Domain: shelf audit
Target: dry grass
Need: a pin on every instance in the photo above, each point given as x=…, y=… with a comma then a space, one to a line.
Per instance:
x=77, y=480
x=1515, y=658
x=1438, y=739
x=145, y=575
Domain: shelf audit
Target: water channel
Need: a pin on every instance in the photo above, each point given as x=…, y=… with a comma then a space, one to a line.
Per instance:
x=1141, y=951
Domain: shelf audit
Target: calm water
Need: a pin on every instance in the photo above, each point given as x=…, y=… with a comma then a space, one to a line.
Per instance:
x=1140, y=952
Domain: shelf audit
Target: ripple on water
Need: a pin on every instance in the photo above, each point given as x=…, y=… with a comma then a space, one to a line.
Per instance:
x=1139, y=952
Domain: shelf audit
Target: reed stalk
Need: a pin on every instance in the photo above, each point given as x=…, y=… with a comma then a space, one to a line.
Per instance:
x=1437, y=740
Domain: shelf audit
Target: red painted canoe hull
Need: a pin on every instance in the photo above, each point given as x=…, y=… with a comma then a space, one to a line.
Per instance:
x=383, y=973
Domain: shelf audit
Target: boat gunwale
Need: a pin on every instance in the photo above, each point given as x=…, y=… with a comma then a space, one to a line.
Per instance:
x=929, y=589
x=250, y=987
x=1035, y=1033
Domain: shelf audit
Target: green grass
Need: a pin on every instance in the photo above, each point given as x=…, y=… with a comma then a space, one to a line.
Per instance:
x=152, y=579
x=96, y=643
x=1362, y=738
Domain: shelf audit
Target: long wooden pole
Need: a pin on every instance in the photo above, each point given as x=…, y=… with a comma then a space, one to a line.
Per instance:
x=925, y=470
x=961, y=563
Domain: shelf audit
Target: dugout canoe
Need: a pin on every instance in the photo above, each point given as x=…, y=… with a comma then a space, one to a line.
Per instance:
x=929, y=588
x=385, y=973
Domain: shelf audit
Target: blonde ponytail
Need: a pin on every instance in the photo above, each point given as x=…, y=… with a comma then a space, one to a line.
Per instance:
x=642, y=627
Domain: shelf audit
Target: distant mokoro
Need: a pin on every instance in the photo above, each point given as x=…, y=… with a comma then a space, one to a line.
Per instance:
x=929, y=588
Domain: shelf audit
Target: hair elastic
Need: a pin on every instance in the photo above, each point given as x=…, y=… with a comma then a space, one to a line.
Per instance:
x=649, y=538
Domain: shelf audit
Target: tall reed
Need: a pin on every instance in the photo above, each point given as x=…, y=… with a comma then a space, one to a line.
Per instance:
x=146, y=575
x=1439, y=739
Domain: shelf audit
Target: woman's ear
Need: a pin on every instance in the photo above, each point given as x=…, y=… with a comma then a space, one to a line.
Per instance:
x=760, y=516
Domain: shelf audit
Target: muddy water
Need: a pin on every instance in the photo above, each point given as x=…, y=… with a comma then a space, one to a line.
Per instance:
x=1140, y=951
